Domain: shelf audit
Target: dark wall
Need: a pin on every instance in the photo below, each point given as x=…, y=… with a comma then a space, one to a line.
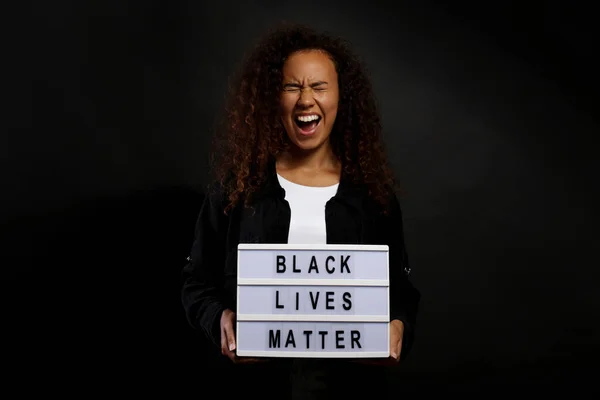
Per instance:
x=489, y=116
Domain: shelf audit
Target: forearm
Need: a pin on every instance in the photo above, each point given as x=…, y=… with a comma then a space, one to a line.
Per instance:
x=203, y=307
x=404, y=301
x=203, y=276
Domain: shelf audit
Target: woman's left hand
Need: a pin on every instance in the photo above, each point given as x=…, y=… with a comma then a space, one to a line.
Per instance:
x=396, y=334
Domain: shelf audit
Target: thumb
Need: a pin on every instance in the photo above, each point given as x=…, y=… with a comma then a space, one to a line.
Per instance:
x=230, y=337
x=398, y=350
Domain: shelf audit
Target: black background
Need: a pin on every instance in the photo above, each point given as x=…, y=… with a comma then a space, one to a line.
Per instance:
x=489, y=111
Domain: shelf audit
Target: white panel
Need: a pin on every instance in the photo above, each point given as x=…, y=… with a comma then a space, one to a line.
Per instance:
x=308, y=302
x=312, y=301
x=289, y=262
x=313, y=339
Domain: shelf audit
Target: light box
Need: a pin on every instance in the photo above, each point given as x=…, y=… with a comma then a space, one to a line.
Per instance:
x=313, y=301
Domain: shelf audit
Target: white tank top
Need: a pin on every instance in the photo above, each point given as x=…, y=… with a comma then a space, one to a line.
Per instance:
x=307, y=203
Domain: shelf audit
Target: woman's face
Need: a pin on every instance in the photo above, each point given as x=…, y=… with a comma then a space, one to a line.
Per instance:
x=309, y=100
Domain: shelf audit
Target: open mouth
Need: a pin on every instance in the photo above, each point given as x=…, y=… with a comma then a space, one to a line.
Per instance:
x=307, y=124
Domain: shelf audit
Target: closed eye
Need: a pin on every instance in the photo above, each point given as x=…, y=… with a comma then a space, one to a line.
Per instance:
x=291, y=87
x=319, y=86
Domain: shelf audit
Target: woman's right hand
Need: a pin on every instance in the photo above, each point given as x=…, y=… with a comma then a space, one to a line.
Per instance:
x=228, y=334
x=228, y=344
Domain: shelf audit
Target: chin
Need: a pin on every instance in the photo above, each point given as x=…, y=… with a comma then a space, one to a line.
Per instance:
x=308, y=143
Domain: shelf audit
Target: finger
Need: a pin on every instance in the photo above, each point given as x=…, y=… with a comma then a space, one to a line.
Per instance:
x=396, y=333
x=229, y=343
x=224, y=349
x=395, y=347
x=399, y=350
x=230, y=336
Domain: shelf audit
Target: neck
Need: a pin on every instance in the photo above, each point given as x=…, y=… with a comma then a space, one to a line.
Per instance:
x=314, y=159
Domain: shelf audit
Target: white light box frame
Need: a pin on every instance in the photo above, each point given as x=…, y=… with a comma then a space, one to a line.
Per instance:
x=317, y=301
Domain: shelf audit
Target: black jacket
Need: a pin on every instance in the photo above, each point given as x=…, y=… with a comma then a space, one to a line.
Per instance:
x=351, y=218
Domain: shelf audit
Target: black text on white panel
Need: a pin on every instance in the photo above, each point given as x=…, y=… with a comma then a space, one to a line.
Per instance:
x=313, y=301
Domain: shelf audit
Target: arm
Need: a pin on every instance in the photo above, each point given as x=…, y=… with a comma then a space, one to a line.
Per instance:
x=404, y=297
x=203, y=275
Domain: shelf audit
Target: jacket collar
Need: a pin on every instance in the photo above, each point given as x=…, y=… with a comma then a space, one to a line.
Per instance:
x=349, y=192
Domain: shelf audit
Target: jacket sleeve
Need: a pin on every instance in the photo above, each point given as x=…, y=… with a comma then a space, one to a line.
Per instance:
x=203, y=275
x=404, y=297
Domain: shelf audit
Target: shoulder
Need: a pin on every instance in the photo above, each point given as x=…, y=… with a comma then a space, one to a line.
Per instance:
x=386, y=205
x=215, y=201
x=215, y=192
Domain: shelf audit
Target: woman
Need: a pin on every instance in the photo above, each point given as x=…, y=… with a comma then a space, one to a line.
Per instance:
x=301, y=160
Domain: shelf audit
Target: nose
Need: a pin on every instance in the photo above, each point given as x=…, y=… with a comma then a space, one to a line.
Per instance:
x=306, y=98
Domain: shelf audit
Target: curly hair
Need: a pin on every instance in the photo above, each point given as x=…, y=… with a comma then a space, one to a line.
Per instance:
x=251, y=134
